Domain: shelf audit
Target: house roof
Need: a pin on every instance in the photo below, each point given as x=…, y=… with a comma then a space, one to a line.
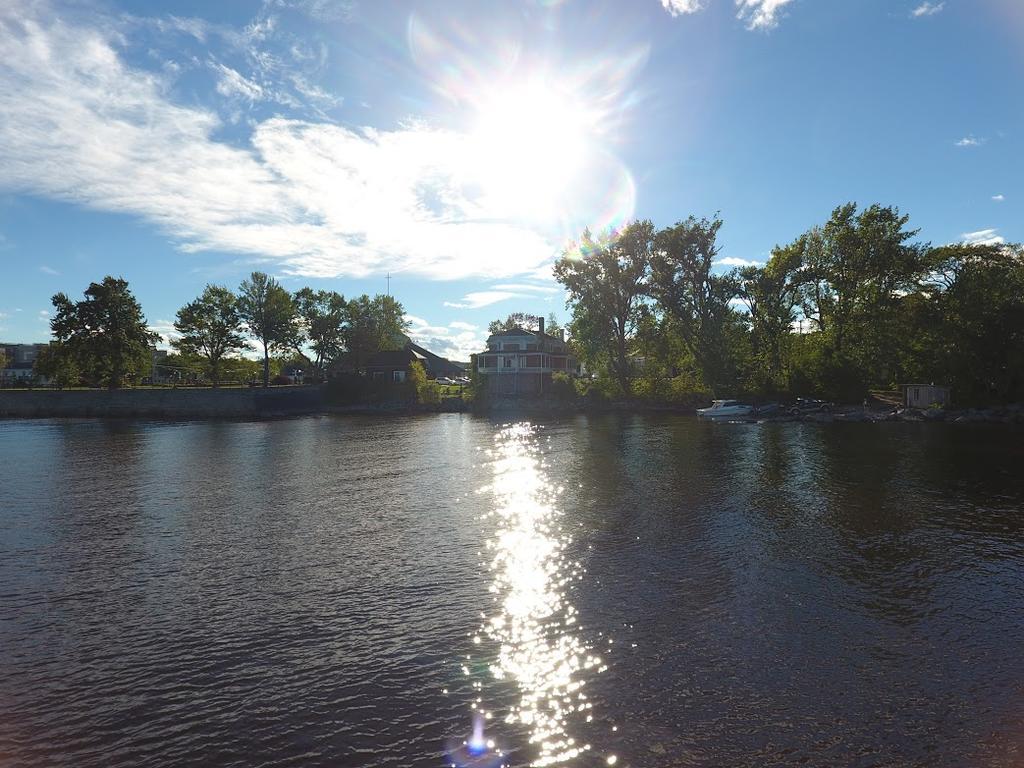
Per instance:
x=435, y=363
x=517, y=331
x=394, y=358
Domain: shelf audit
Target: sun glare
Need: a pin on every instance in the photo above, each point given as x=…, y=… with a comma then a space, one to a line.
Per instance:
x=530, y=142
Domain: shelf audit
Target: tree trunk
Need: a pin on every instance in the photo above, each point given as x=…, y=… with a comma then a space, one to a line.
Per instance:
x=266, y=366
x=215, y=372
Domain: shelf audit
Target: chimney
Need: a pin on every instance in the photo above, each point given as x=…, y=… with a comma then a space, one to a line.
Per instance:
x=540, y=322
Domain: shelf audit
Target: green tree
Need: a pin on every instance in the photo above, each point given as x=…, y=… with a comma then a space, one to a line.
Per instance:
x=270, y=315
x=105, y=335
x=373, y=325
x=427, y=392
x=606, y=279
x=522, y=320
x=979, y=341
x=525, y=321
x=57, y=365
x=685, y=287
x=324, y=316
x=211, y=328
x=856, y=271
x=771, y=295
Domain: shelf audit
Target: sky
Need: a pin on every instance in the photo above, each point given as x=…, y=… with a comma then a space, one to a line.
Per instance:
x=460, y=146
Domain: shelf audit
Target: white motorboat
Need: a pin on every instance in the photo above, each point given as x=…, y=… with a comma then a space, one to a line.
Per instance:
x=726, y=409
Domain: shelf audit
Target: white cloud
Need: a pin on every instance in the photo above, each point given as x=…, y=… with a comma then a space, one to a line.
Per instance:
x=319, y=199
x=678, y=7
x=927, y=9
x=998, y=198
x=970, y=141
x=443, y=341
x=48, y=270
x=756, y=14
x=461, y=326
x=519, y=287
x=321, y=10
x=983, y=237
x=478, y=299
x=732, y=261
x=167, y=332
x=760, y=14
x=232, y=83
x=44, y=313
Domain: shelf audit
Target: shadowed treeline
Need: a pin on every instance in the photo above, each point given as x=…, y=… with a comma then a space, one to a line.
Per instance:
x=847, y=307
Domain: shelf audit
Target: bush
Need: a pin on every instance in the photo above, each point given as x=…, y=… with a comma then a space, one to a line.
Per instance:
x=562, y=387
x=425, y=391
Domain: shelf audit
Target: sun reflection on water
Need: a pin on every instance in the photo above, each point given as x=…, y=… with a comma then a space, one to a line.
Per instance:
x=533, y=622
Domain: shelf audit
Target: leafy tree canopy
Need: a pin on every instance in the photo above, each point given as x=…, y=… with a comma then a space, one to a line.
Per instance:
x=105, y=335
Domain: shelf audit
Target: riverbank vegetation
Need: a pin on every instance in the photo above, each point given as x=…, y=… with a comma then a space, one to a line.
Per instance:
x=850, y=306
x=103, y=340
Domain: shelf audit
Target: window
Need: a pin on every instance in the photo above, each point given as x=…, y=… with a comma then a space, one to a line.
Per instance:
x=511, y=347
x=378, y=375
x=398, y=376
x=508, y=362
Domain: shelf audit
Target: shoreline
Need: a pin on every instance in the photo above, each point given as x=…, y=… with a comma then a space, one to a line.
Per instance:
x=257, y=403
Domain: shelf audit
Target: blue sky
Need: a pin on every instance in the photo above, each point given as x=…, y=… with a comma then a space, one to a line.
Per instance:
x=460, y=145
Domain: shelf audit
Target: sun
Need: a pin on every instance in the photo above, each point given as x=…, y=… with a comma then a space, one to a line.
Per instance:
x=530, y=142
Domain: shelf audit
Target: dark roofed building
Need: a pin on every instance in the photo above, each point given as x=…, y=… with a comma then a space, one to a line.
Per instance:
x=393, y=365
x=437, y=365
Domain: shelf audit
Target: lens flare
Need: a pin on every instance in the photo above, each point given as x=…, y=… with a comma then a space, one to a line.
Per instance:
x=535, y=146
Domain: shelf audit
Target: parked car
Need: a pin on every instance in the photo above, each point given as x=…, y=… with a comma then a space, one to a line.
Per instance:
x=810, y=405
x=444, y=380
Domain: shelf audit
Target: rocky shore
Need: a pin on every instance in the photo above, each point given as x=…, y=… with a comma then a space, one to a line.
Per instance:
x=1009, y=414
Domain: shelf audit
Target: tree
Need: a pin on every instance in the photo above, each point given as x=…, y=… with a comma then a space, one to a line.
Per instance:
x=57, y=365
x=427, y=392
x=685, y=287
x=979, y=340
x=269, y=313
x=515, y=320
x=606, y=279
x=525, y=321
x=210, y=327
x=857, y=269
x=771, y=294
x=105, y=335
x=373, y=325
x=324, y=316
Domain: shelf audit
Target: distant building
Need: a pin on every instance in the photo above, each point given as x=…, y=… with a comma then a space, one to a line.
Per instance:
x=521, y=362
x=22, y=353
x=393, y=365
x=436, y=365
x=18, y=373
x=294, y=373
x=159, y=373
x=925, y=395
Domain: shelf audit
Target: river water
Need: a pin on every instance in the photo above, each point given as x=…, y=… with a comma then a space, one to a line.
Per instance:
x=448, y=590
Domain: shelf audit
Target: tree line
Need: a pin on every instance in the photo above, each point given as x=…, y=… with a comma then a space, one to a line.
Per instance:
x=850, y=306
x=104, y=340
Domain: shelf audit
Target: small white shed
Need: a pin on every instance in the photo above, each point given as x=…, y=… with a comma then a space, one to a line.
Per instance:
x=925, y=395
